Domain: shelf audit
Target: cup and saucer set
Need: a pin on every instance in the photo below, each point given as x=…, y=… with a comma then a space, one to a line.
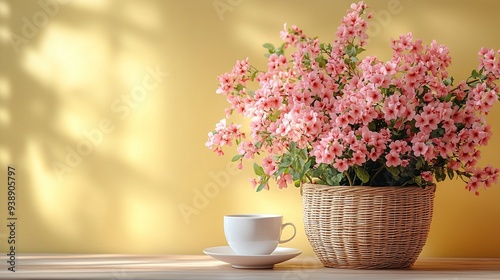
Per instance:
x=253, y=241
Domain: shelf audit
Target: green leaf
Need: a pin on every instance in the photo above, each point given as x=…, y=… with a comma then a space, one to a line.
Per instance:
x=262, y=185
x=362, y=174
x=440, y=175
x=321, y=182
x=335, y=179
x=300, y=160
x=475, y=74
x=259, y=171
x=297, y=183
x=236, y=158
x=408, y=182
x=451, y=173
x=274, y=115
x=419, y=181
x=448, y=97
x=295, y=175
x=296, y=168
x=307, y=165
x=286, y=160
x=393, y=170
x=350, y=50
x=252, y=77
x=280, y=50
x=303, y=154
x=359, y=50
x=269, y=47
x=239, y=87
x=330, y=181
x=436, y=133
x=448, y=81
x=420, y=163
x=281, y=170
x=321, y=61
x=372, y=126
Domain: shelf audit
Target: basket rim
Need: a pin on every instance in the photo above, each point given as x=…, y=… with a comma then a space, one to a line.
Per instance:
x=314, y=185
x=321, y=186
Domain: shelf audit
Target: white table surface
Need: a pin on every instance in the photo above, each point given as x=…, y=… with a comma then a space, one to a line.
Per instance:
x=86, y=266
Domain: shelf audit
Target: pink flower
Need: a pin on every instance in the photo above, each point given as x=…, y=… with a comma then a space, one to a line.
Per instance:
x=427, y=176
x=269, y=165
x=358, y=158
x=284, y=180
x=393, y=159
x=341, y=165
x=255, y=183
x=336, y=149
x=454, y=164
x=226, y=84
x=419, y=149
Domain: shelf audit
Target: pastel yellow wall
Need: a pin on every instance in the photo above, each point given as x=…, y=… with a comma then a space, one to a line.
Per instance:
x=131, y=86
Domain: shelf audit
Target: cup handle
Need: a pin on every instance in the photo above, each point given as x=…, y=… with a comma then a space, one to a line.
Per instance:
x=294, y=232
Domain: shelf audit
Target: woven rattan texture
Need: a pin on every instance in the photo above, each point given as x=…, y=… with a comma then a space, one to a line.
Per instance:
x=367, y=227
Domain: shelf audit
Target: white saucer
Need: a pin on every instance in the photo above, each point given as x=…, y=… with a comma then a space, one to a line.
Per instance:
x=226, y=254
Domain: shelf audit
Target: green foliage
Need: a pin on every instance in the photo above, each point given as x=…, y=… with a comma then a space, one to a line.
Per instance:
x=236, y=158
x=273, y=50
x=362, y=174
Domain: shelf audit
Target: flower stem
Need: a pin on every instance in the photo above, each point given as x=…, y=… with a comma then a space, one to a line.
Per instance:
x=309, y=177
x=376, y=173
x=348, y=178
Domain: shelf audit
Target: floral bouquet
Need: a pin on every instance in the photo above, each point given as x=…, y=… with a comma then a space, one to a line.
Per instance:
x=323, y=114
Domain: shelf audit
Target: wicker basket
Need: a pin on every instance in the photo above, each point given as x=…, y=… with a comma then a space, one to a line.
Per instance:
x=367, y=227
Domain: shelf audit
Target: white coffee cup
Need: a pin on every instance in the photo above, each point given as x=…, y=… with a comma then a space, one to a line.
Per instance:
x=255, y=234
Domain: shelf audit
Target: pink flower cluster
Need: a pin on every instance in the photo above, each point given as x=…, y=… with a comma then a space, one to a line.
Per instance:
x=348, y=113
x=224, y=135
